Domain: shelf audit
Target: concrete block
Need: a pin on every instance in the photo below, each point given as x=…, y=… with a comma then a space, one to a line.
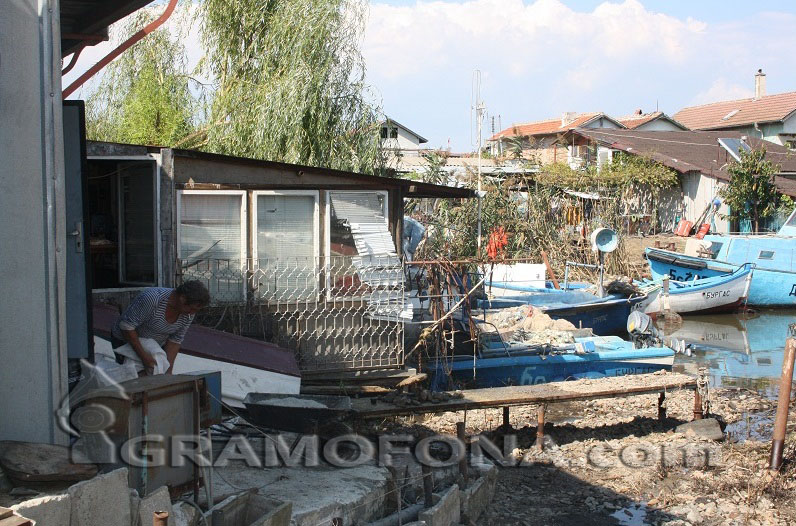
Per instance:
x=446, y=511
x=706, y=428
x=158, y=500
x=52, y=509
x=478, y=495
x=135, y=502
x=185, y=514
x=250, y=509
x=101, y=501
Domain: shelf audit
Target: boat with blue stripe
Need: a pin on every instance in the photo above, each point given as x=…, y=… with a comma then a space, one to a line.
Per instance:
x=774, y=281
x=499, y=364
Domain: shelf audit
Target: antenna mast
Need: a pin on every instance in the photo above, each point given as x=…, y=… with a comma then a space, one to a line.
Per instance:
x=477, y=112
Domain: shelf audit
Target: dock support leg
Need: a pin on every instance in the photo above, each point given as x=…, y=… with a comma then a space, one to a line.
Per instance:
x=661, y=407
x=540, y=427
x=697, y=405
x=506, y=423
x=783, y=404
x=461, y=435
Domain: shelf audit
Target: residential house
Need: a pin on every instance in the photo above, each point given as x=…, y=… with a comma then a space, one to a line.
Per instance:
x=400, y=140
x=315, y=251
x=655, y=121
x=540, y=140
x=700, y=160
x=770, y=117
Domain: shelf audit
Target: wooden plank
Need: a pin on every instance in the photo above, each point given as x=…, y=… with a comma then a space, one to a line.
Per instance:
x=5, y=512
x=588, y=389
x=16, y=520
x=412, y=380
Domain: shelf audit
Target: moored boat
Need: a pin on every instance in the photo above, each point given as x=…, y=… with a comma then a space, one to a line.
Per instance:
x=717, y=294
x=774, y=281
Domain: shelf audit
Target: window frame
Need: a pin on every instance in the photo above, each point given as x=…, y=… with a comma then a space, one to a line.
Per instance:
x=328, y=233
x=243, y=213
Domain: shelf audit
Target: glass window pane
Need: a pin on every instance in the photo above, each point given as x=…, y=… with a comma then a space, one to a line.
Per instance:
x=286, y=258
x=210, y=243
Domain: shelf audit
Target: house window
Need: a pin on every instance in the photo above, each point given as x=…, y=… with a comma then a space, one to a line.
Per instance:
x=383, y=132
x=286, y=245
x=766, y=254
x=212, y=241
x=123, y=222
x=393, y=133
x=359, y=240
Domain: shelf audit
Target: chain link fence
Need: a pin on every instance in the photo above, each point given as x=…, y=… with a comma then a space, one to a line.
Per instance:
x=336, y=313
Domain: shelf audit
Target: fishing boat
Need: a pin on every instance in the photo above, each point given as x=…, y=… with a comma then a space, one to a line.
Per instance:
x=499, y=363
x=774, y=282
x=706, y=295
x=603, y=315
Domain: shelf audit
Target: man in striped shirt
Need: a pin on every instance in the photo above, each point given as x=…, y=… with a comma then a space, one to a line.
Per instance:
x=150, y=331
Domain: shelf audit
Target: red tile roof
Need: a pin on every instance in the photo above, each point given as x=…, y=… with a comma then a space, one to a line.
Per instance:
x=637, y=119
x=547, y=127
x=727, y=114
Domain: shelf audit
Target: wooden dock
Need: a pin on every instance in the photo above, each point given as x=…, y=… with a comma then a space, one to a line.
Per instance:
x=541, y=395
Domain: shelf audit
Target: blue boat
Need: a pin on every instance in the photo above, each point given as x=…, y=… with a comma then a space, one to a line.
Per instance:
x=499, y=364
x=604, y=316
x=774, y=281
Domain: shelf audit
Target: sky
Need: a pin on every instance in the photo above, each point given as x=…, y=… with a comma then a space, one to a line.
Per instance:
x=541, y=58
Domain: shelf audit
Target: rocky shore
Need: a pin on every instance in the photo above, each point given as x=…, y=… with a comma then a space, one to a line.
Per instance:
x=613, y=461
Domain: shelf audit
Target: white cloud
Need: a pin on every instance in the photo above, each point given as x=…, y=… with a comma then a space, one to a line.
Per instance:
x=722, y=89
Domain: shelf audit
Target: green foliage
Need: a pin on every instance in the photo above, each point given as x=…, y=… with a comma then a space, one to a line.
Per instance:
x=751, y=193
x=623, y=171
x=144, y=95
x=435, y=163
x=290, y=83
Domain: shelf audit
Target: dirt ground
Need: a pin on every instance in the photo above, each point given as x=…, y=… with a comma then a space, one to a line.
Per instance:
x=614, y=462
x=635, y=245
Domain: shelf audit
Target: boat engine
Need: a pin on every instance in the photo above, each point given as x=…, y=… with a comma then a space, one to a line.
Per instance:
x=643, y=333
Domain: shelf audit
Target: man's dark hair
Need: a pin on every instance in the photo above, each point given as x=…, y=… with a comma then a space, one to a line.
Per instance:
x=194, y=292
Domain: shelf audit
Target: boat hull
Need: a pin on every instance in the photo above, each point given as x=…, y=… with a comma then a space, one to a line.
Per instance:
x=768, y=288
x=710, y=295
x=532, y=370
x=604, y=316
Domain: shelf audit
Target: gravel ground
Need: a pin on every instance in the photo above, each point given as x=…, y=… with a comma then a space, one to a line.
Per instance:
x=613, y=462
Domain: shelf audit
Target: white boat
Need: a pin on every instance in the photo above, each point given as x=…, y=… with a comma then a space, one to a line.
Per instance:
x=707, y=295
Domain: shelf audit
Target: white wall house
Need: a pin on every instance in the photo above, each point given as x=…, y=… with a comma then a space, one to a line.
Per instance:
x=399, y=139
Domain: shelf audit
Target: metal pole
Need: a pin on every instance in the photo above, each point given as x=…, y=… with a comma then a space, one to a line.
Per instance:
x=428, y=486
x=783, y=404
x=661, y=407
x=460, y=433
x=540, y=427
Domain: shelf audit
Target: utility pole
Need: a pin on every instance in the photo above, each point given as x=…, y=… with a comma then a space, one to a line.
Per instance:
x=477, y=111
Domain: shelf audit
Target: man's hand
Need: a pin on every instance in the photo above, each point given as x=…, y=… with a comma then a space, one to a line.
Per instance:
x=149, y=362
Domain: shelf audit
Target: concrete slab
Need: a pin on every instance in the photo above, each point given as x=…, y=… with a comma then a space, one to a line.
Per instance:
x=158, y=500
x=185, y=514
x=319, y=494
x=447, y=510
x=52, y=509
x=478, y=495
x=101, y=501
x=706, y=428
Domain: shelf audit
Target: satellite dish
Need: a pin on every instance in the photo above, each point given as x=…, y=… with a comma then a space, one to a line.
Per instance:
x=605, y=240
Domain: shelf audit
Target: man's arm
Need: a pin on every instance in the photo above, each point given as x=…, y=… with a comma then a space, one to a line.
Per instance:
x=172, y=349
x=146, y=358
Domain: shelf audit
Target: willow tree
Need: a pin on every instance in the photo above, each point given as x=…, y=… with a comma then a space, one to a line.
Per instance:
x=144, y=96
x=290, y=82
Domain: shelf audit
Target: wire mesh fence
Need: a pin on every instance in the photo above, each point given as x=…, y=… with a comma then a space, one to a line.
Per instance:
x=336, y=313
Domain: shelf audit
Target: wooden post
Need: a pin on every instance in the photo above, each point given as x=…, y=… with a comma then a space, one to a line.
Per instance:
x=697, y=404
x=460, y=434
x=662, y=408
x=540, y=427
x=506, y=422
x=783, y=405
x=428, y=486
x=550, y=270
